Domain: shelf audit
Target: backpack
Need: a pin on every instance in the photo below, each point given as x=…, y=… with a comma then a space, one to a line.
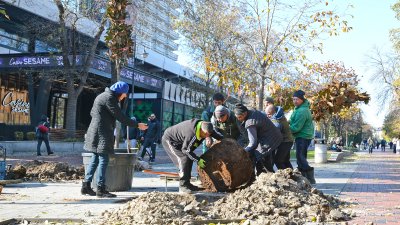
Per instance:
x=41, y=130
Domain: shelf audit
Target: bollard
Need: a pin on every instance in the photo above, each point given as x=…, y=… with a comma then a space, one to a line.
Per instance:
x=320, y=155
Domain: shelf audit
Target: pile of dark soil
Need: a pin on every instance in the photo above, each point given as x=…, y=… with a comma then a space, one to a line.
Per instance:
x=46, y=171
x=284, y=197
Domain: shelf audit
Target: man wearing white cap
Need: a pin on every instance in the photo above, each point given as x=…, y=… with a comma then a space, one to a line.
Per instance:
x=225, y=122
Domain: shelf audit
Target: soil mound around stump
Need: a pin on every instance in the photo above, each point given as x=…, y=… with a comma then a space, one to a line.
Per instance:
x=46, y=171
x=228, y=166
x=284, y=197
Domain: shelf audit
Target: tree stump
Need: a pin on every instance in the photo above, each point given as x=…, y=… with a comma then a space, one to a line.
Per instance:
x=228, y=166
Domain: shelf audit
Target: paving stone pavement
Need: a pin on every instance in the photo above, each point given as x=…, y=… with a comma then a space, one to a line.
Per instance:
x=375, y=188
x=371, y=182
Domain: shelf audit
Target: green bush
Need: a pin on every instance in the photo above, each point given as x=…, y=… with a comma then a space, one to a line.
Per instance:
x=19, y=135
x=30, y=136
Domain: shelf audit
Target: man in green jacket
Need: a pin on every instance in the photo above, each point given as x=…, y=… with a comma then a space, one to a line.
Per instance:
x=302, y=128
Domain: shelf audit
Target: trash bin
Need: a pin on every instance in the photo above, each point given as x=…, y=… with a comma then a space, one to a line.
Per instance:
x=119, y=172
x=320, y=154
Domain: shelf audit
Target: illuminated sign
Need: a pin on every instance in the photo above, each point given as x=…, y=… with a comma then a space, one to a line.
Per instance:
x=51, y=61
x=17, y=105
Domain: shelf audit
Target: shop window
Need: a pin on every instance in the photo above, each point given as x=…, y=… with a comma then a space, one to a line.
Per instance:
x=58, y=110
x=178, y=113
x=168, y=107
x=14, y=100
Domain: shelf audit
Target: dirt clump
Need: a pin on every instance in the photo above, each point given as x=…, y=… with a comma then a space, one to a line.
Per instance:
x=46, y=171
x=228, y=167
x=284, y=197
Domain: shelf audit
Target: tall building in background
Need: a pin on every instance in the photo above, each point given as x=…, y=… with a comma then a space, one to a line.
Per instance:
x=154, y=28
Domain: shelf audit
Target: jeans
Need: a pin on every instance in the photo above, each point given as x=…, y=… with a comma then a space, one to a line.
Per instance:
x=152, y=146
x=100, y=161
x=282, y=156
x=301, y=153
x=39, y=144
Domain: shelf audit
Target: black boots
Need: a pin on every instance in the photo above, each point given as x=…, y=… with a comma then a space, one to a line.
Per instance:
x=310, y=175
x=86, y=189
x=102, y=193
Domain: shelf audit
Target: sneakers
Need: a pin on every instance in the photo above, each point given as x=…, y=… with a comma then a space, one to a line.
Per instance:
x=151, y=160
x=50, y=153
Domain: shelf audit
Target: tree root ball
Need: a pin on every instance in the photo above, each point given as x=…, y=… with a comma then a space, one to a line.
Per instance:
x=228, y=166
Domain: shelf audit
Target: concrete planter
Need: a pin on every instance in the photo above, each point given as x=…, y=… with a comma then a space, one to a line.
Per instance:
x=29, y=147
x=119, y=173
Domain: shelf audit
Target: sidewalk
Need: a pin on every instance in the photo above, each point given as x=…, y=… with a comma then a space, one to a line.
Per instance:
x=371, y=182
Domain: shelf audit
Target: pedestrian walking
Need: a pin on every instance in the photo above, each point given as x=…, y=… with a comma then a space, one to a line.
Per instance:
x=133, y=133
x=150, y=138
x=302, y=128
x=394, y=140
x=383, y=145
x=370, y=145
x=180, y=141
x=99, y=138
x=264, y=137
x=282, y=156
x=42, y=135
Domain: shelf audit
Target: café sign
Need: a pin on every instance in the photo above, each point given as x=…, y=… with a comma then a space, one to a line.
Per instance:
x=54, y=61
x=17, y=105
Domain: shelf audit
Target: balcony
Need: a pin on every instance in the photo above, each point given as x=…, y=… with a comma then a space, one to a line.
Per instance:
x=174, y=35
x=172, y=55
x=174, y=46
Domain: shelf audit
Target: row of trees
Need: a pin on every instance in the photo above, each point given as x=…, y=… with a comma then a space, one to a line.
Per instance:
x=247, y=47
x=252, y=47
x=387, y=77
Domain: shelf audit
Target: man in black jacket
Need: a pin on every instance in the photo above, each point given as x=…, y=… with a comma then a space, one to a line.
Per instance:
x=150, y=138
x=264, y=137
x=180, y=141
x=99, y=138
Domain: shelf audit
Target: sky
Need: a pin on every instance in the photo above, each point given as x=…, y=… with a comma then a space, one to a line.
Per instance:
x=371, y=21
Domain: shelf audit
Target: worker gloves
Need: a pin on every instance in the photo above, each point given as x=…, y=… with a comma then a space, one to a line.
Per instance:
x=201, y=163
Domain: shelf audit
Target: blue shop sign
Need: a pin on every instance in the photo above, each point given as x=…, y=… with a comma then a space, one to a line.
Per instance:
x=54, y=61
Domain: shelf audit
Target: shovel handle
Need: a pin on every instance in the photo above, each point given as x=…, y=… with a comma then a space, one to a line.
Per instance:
x=161, y=173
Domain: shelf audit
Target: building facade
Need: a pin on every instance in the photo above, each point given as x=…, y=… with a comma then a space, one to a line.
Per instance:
x=160, y=84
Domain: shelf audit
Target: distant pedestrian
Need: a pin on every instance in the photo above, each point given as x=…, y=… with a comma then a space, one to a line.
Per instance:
x=99, y=138
x=370, y=145
x=150, y=138
x=282, y=156
x=133, y=133
x=302, y=127
x=383, y=145
x=42, y=134
x=377, y=144
x=394, y=140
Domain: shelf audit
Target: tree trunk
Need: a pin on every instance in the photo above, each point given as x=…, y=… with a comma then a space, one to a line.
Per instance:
x=71, y=114
x=261, y=95
x=38, y=101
